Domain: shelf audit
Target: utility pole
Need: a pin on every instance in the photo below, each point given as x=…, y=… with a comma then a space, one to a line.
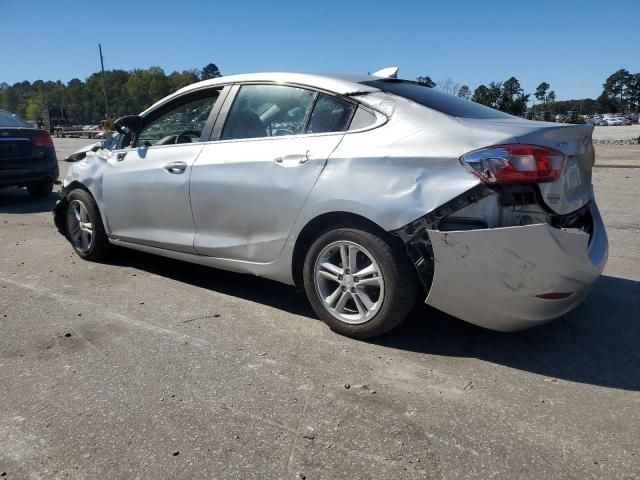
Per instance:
x=104, y=84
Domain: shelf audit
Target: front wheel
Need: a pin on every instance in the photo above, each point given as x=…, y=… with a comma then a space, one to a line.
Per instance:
x=359, y=282
x=84, y=226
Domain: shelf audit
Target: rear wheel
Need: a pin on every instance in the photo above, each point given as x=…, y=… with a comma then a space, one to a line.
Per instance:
x=41, y=189
x=359, y=282
x=84, y=226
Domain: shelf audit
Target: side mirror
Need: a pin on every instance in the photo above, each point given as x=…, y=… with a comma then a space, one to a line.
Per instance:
x=131, y=124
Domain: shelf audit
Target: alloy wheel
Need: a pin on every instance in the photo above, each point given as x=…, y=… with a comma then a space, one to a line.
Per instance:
x=80, y=226
x=349, y=282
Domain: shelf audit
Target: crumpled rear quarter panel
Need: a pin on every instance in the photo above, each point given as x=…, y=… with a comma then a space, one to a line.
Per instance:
x=400, y=171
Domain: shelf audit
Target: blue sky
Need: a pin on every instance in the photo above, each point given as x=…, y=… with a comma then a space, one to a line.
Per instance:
x=573, y=45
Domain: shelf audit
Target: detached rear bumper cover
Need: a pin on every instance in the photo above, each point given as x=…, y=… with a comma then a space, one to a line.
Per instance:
x=491, y=277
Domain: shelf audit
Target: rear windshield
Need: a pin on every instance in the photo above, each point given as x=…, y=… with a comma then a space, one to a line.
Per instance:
x=10, y=120
x=437, y=100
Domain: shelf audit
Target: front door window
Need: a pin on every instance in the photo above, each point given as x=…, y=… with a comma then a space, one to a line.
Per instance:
x=182, y=124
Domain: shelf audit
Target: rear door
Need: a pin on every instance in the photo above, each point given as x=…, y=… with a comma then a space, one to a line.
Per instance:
x=146, y=186
x=248, y=187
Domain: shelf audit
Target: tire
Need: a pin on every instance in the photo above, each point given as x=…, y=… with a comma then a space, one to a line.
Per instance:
x=41, y=189
x=387, y=300
x=81, y=203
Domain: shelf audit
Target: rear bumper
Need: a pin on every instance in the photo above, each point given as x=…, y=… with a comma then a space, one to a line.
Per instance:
x=25, y=172
x=492, y=277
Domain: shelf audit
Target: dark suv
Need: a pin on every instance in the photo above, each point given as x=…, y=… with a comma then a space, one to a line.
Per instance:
x=27, y=156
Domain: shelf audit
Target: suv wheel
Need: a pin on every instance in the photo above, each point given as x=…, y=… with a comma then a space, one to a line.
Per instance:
x=359, y=282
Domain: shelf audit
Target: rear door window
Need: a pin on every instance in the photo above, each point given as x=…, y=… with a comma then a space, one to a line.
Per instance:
x=268, y=111
x=330, y=114
x=362, y=119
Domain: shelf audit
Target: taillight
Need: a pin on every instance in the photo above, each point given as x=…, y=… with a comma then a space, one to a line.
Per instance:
x=42, y=139
x=515, y=163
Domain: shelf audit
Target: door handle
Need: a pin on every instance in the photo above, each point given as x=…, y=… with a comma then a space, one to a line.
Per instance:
x=120, y=156
x=175, y=167
x=293, y=160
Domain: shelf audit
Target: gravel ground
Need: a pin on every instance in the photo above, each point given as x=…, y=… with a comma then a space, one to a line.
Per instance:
x=144, y=367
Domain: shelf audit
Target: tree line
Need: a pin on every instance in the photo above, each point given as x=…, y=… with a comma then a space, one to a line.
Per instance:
x=620, y=93
x=134, y=90
x=127, y=92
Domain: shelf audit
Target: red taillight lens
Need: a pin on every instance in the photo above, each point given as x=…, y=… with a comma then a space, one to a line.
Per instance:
x=42, y=139
x=515, y=163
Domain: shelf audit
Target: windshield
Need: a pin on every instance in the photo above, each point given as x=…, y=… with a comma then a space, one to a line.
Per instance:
x=437, y=100
x=10, y=120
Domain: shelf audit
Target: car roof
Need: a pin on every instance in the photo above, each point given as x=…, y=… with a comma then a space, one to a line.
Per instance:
x=340, y=84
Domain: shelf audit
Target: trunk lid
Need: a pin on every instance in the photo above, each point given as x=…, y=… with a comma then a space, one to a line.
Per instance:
x=573, y=189
x=15, y=143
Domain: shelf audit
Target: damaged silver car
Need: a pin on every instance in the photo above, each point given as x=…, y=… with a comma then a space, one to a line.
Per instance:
x=370, y=192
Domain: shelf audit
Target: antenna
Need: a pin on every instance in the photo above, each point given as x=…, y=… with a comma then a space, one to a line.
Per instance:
x=104, y=84
x=389, y=72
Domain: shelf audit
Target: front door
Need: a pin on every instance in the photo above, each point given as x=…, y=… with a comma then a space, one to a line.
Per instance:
x=146, y=186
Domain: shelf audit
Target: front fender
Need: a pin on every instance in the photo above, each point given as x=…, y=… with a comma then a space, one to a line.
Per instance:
x=87, y=174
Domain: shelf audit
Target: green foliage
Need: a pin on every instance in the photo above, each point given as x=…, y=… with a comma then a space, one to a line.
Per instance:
x=621, y=92
x=488, y=95
x=133, y=91
x=512, y=99
x=541, y=92
x=210, y=71
x=426, y=81
x=464, y=92
x=127, y=91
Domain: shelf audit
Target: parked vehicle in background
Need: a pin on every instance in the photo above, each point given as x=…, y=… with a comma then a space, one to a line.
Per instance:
x=365, y=191
x=27, y=156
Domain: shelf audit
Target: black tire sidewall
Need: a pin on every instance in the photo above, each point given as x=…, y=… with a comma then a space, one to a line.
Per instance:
x=399, y=282
x=100, y=243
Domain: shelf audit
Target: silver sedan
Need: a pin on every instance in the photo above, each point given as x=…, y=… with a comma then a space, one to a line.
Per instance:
x=369, y=192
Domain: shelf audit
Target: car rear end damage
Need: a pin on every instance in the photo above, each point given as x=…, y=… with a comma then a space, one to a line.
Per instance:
x=500, y=256
x=490, y=258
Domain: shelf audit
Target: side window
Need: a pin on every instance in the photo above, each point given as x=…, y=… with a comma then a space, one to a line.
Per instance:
x=330, y=114
x=181, y=124
x=268, y=111
x=363, y=118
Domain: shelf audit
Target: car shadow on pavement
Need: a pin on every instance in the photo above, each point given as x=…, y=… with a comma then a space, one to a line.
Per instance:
x=255, y=289
x=597, y=344
x=18, y=200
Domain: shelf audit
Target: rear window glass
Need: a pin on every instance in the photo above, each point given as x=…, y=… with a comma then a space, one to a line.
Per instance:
x=10, y=120
x=437, y=100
